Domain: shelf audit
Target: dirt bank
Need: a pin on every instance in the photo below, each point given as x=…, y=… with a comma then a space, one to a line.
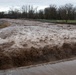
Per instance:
x=26, y=42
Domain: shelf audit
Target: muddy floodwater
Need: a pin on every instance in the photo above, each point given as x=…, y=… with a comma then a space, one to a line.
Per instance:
x=28, y=42
x=62, y=68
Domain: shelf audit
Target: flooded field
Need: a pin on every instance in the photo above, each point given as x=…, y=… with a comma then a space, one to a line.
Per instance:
x=62, y=68
x=27, y=42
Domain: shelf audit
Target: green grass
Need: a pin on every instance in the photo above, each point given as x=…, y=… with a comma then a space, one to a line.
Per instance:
x=58, y=21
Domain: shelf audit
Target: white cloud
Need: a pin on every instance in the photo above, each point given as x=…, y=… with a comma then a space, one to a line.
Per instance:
x=4, y=8
x=6, y=4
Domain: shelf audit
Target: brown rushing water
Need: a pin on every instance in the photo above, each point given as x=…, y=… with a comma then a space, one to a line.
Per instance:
x=62, y=68
x=32, y=40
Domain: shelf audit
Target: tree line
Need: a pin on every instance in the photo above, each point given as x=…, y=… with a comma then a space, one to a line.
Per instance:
x=67, y=11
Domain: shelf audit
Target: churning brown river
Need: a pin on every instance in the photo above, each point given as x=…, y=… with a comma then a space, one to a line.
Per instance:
x=62, y=68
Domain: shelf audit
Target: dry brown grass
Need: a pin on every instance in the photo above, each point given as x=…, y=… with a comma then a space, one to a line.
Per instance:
x=4, y=24
x=23, y=57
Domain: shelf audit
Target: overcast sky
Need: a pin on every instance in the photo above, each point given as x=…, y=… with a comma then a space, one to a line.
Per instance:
x=6, y=4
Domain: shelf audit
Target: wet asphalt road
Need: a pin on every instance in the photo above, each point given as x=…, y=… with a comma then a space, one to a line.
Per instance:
x=62, y=68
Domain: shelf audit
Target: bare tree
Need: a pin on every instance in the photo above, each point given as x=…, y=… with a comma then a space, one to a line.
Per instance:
x=50, y=12
x=66, y=12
